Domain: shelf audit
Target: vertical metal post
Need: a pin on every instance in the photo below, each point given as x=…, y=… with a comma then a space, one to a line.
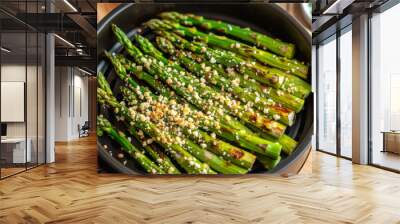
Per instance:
x=369, y=79
x=26, y=87
x=338, y=74
x=37, y=90
x=317, y=97
x=0, y=93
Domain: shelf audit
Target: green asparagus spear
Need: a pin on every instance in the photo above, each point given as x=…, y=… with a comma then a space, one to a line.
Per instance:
x=103, y=125
x=264, y=57
x=260, y=40
x=267, y=162
x=158, y=156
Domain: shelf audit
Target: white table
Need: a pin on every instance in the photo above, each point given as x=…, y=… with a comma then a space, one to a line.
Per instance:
x=18, y=144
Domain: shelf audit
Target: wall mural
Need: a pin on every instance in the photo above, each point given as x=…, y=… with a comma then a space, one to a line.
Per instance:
x=203, y=89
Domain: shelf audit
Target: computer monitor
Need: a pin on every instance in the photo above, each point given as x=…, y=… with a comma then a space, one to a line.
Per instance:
x=3, y=129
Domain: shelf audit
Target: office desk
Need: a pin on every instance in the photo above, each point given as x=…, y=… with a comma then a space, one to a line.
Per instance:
x=13, y=150
x=391, y=141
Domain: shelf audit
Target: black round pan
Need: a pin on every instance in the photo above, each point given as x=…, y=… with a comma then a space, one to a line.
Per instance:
x=265, y=18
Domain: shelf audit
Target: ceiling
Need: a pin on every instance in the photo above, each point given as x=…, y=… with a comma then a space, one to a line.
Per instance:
x=332, y=15
x=72, y=20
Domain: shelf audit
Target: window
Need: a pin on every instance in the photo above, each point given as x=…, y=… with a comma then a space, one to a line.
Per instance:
x=327, y=96
x=346, y=92
x=385, y=89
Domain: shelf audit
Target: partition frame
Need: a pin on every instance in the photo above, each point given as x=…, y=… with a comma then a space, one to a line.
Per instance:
x=337, y=35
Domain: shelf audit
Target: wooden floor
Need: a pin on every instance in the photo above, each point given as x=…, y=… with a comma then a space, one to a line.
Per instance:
x=70, y=191
x=387, y=159
x=11, y=170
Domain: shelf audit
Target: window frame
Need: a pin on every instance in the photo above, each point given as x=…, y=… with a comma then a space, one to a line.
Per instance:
x=334, y=37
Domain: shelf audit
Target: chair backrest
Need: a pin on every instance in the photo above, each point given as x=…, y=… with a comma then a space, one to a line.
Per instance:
x=86, y=125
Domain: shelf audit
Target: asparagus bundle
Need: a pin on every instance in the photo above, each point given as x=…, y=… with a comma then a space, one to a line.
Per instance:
x=186, y=84
x=237, y=156
x=180, y=119
x=210, y=142
x=103, y=125
x=270, y=76
x=288, y=144
x=214, y=106
x=198, y=151
x=242, y=87
x=230, y=128
x=265, y=57
x=156, y=154
x=260, y=40
x=175, y=81
x=244, y=94
x=185, y=159
x=242, y=135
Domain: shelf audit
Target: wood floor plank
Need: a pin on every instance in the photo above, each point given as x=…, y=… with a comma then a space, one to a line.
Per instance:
x=70, y=191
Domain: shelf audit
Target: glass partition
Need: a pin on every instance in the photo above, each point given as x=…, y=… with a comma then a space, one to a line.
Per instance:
x=327, y=96
x=346, y=93
x=22, y=87
x=385, y=89
x=14, y=145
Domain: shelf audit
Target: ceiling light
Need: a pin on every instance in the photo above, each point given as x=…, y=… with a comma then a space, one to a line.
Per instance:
x=337, y=7
x=5, y=50
x=84, y=71
x=333, y=6
x=65, y=41
x=70, y=5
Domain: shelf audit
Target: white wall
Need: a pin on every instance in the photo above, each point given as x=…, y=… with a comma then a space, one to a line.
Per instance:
x=34, y=125
x=70, y=83
x=12, y=73
x=61, y=114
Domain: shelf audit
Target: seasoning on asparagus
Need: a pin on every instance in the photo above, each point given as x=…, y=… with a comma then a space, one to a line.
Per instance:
x=208, y=122
x=260, y=40
x=103, y=125
x=247, y=67
x=185, y=159
x=289, y=65
x=182, y=121
x=242, y=88
x=156, y=154
x=184, y=83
